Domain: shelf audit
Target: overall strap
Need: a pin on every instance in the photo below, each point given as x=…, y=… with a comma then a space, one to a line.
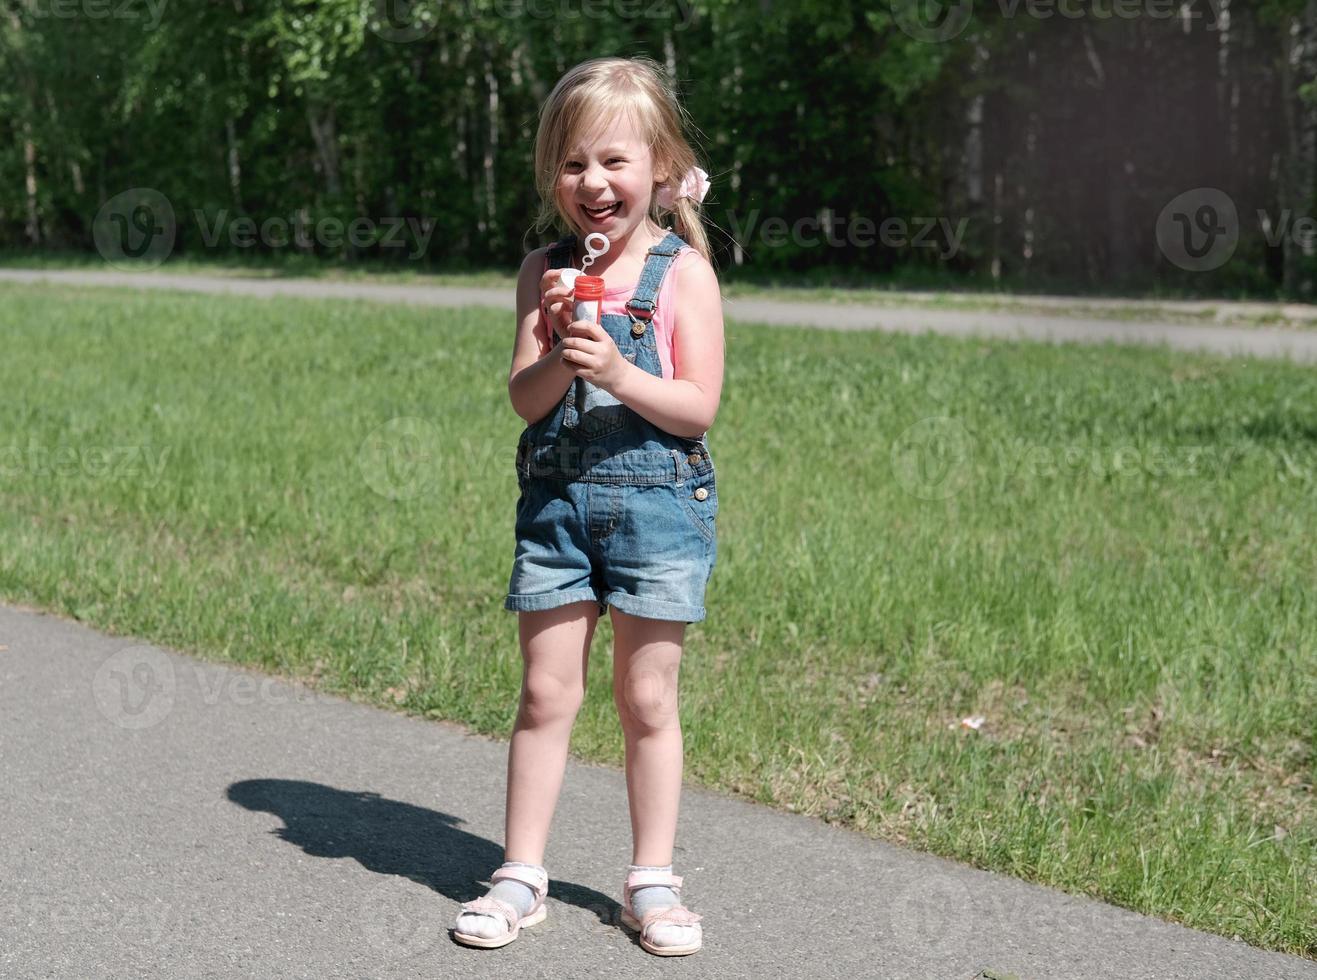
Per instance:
x=643, y=302
x=560, y=252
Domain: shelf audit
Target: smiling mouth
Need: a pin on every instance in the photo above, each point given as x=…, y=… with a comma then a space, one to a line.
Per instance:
x=603, y=212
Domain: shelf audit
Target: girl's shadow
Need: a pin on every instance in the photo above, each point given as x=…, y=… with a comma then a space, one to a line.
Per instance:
x=394, y=838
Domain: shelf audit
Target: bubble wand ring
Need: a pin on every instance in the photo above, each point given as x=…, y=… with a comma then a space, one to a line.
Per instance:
x=593, y=251
x=596, y=246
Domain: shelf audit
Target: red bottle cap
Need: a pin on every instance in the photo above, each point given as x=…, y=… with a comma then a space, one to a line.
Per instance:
x=589, y=288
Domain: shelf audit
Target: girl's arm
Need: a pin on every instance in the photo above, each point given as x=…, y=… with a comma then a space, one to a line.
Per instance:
x=686, y=405
x=538, y=377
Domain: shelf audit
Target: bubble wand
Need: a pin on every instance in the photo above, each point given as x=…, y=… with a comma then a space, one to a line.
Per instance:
x=596, y=245
x=588, y=291
x=587, y=295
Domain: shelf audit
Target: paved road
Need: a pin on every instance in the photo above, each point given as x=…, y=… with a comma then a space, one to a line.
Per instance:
x=169, y=817
x=1296, y=345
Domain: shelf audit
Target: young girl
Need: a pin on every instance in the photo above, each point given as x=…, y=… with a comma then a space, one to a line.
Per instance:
x=618, y=501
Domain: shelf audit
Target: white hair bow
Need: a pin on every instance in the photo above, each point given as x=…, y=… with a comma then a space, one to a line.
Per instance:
x=695, y=185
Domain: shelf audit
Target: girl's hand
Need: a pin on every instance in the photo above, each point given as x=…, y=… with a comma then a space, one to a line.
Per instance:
x=591, y=354
x=556, y=303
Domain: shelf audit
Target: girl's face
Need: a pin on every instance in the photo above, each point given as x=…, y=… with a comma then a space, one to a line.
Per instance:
x=606, y=183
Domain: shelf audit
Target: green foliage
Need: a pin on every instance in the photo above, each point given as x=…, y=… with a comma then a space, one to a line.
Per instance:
x=413, y=109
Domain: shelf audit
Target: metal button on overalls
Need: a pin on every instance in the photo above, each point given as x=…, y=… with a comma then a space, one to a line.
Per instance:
x=693, y=458
x=637, y=329
x=701, y=493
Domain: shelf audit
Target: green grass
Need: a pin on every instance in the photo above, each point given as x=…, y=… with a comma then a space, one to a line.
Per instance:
x=1105, y=552
x=905, y=288
x=285, y=266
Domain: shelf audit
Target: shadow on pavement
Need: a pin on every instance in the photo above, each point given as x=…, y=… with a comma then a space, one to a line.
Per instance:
x=395, y=838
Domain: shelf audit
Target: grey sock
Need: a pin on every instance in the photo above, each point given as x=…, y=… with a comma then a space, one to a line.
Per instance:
x=652, y=896
x=520, y=896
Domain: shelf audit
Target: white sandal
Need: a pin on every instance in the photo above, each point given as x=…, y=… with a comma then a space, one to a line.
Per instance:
x=677, y=915
x=534, y=878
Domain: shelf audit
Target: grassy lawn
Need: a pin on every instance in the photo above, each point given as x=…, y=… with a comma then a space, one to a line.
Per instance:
x=908, y=289
x=1107, y=554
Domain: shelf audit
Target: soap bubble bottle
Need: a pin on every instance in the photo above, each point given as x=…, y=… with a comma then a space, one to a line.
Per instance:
x=587, y=290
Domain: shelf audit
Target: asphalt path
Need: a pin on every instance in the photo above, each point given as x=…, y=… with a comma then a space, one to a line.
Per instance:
x=165, y=816
x=1299, y=345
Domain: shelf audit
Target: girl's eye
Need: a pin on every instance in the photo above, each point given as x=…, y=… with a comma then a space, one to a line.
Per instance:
x=575, y=163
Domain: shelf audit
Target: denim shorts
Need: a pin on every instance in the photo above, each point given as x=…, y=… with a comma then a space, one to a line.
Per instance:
x=636, y=531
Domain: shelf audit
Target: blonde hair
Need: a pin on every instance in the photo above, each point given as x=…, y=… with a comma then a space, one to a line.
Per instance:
x=601, y=89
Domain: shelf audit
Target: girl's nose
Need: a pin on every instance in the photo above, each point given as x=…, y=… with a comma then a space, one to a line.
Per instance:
x=593, y=178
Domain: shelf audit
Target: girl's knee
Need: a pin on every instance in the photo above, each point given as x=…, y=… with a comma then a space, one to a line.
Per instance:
x=547, y=699
x=646, y=699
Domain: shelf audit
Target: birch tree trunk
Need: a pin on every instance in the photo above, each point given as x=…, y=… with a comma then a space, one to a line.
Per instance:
x=1298, y=68
x=491, y=148
x=234, y=163
x=33, y=225
x=321, y=121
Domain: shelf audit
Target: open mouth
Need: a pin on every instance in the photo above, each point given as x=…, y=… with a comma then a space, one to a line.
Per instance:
x=599, y=214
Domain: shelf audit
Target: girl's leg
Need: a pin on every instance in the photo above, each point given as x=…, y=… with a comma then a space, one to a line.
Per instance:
x=555, y=651
x=646, y=657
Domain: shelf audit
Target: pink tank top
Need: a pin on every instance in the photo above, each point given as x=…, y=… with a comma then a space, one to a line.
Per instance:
x=615, y=298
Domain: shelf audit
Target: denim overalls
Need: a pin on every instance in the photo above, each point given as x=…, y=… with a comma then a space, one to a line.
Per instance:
x=613, y=508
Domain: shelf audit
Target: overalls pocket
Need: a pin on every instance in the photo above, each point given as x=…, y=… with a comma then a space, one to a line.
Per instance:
x=699, y=499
